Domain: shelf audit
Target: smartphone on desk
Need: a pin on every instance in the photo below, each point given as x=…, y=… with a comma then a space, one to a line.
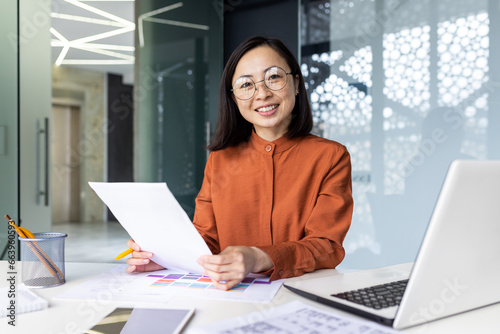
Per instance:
x=144, y=320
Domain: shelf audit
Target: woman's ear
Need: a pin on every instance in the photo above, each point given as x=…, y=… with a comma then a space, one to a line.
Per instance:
x=297, y=84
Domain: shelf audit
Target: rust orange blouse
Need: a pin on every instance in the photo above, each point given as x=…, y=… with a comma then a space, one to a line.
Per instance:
x=292, y=198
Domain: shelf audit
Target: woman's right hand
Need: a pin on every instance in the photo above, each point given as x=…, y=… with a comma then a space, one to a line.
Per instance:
x=140, y=260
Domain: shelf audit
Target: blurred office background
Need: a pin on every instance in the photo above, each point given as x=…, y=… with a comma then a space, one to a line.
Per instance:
x=124, y=91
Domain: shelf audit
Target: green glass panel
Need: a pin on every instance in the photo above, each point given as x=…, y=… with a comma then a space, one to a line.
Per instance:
x=179, y=63
x=9, y=203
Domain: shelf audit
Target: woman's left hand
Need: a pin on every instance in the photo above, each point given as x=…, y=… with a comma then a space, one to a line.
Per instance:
x=232, y=265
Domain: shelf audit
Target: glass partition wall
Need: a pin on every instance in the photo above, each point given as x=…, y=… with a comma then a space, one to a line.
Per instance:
x=178, y=68
x=9, y=162
x=24, y=117
x=407, y=86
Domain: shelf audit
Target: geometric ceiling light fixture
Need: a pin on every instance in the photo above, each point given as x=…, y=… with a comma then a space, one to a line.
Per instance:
x=94, y=24
x=149, y=17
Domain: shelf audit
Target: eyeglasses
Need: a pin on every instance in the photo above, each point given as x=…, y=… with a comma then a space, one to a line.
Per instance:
x=275, y=78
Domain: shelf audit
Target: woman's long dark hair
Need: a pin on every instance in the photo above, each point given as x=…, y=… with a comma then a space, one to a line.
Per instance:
x=232, y=129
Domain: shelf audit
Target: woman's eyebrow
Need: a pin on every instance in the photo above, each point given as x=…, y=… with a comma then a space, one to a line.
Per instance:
x=263, y=71
x=267, y=69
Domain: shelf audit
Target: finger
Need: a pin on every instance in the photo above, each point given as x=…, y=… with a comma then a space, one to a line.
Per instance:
x=142, y=255
x=137, y=262
x=217, y=259
x=226, y=285
x=219, y=269
x=224, y=266
x=236, y=270
x=225, y=276
x=203, y=259
x=132, y=244
x=130, y=269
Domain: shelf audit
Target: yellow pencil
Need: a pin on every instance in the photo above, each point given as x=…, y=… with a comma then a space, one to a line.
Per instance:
x=127, y=252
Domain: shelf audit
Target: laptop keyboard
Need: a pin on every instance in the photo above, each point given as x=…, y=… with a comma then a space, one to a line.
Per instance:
x=377, y=296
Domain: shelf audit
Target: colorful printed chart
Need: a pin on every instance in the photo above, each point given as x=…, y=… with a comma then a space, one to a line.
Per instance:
x=169, y=282
x=196, y=281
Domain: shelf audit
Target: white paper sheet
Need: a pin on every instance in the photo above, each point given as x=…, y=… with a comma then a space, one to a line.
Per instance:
x=109, y=286
x=154, y=219
x=294, y=317
x=254, y=288
x=152, y=286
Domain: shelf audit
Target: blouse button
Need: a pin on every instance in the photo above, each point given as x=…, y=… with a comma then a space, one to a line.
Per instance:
x=269, y=148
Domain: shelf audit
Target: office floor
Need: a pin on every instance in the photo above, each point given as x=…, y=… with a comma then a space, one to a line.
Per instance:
x=93, y=241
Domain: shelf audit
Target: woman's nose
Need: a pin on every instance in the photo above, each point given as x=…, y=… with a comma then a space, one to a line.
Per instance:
x=262, y=89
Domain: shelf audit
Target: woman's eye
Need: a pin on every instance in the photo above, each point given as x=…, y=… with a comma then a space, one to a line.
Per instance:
x=246, y=85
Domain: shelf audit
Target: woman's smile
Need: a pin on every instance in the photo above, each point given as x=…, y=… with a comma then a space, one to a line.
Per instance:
x=267, y=110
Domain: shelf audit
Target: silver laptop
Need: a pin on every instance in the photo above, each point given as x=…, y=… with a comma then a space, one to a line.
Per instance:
x=457, y=268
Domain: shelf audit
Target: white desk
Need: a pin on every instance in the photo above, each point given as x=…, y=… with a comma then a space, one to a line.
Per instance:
x=75, y=316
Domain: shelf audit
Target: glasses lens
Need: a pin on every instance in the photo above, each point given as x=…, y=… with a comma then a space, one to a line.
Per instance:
x=244, y=88
x=275, y=78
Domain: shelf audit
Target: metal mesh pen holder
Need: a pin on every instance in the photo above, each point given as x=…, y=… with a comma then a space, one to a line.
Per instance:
x=42, y=260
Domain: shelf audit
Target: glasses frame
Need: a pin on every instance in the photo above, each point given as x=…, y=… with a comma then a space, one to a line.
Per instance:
x=263, y=80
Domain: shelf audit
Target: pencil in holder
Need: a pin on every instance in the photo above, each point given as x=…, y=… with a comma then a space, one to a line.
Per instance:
x=42, y=260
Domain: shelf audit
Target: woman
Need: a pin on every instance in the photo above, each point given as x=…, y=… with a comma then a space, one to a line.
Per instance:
x=275, y=199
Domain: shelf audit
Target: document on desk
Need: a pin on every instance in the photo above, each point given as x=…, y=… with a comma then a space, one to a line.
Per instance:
x=152, y=216
x=294, y=317
x=161, y=285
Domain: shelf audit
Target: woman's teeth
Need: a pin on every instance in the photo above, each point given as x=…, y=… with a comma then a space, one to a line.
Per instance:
x=266, y=109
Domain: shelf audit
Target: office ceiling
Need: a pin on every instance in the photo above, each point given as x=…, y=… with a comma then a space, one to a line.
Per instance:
x=96, y=35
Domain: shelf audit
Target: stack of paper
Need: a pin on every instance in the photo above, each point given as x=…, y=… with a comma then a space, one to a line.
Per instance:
x=22, y=300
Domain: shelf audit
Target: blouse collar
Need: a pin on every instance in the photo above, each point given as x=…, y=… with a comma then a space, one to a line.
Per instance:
x=276, y=146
